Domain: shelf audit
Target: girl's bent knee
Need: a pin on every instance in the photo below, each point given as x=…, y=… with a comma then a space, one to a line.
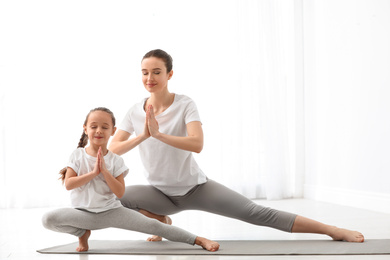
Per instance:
x=49, y=220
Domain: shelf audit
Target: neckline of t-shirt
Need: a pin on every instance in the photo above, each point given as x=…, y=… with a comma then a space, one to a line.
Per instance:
x=166, y=110
x=92, y=157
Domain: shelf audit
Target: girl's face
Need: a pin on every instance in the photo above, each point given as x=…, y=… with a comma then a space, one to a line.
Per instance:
x=99, y=128
x=154, y=75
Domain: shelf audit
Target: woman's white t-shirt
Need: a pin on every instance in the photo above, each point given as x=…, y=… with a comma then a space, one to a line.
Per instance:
x=95, y=196
x=169, y=169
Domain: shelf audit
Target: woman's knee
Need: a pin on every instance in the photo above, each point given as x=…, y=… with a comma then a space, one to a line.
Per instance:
x=132, y=195
x=148, y=198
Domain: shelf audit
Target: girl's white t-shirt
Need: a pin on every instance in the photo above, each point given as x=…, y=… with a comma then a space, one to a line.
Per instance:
x=169, y=169
x=95, y=196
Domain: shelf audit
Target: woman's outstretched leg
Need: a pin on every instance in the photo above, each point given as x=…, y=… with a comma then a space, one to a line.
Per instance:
x=216, y=198
x=306, y=225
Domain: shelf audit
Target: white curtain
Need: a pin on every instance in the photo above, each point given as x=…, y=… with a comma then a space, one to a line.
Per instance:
x=258, y=156
x=59, y=59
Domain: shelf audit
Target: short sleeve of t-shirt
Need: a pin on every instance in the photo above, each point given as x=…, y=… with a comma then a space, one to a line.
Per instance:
x=74, y=160
x=127, y=122
x=119, y=166
x=191, y=111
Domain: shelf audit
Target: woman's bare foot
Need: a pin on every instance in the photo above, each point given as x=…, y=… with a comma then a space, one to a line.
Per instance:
x=83, y=242
x=346, y=235
x=154, y=238
x=306, y=225
x=207, y=244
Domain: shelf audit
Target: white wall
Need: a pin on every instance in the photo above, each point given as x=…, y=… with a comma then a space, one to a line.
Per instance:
x=347, y=93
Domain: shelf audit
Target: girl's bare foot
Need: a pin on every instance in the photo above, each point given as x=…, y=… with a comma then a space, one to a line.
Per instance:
x=83, y=242
x=207, y=244
x=346, y=235
x=154, y=238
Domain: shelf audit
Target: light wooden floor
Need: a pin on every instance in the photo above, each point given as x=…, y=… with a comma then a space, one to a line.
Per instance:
x=21, y=231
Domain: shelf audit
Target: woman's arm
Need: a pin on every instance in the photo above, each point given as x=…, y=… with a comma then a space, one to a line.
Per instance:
x=121, y=143
x=192, y=142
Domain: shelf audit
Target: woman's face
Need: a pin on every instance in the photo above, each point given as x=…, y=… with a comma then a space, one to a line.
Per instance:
x=154, y=74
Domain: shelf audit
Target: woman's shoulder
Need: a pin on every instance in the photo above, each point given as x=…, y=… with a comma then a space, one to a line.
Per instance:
x=184, y=99
x=139, y=105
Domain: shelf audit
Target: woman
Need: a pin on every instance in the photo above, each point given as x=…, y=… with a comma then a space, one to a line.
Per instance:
x=168, y=130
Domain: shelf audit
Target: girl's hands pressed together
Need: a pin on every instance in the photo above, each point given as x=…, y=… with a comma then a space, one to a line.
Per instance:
x=101, y=163
x=96, y=169
x=117, y=185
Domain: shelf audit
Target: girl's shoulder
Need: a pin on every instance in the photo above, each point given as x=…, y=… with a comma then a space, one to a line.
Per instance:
x=79, y=152
x=113, y=156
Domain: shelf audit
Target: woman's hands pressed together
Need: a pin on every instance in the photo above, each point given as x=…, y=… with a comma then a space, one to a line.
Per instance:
x=193, y=142
x=151, y=122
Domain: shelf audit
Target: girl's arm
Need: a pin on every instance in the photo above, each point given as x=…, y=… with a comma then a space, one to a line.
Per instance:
x=193, y=142
x=117, y=185
x=73, y=181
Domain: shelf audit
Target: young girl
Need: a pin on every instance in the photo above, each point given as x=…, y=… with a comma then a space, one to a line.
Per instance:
x=167, y=131
x=95, y=177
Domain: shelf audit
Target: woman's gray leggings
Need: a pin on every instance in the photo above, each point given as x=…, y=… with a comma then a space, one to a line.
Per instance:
x=211, y=197
x=76, y=222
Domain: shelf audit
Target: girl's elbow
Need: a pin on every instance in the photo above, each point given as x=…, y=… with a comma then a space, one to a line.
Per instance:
x=121, y=192
x=120, y=195
x=67, y=186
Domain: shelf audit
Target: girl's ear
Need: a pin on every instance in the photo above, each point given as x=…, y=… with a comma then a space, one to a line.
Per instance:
x=85, y=129
x=113, y=131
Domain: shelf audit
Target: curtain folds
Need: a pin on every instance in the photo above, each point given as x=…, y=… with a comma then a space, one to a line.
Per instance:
x=264, y=159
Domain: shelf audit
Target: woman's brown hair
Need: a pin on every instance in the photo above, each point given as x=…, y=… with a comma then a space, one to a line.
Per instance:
x=157, y=53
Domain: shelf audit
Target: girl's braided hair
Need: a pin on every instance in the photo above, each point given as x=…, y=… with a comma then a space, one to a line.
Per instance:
x=84, y=137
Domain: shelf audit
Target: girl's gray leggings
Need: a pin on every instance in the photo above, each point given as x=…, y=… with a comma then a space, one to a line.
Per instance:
x=76, y=222
x=211, y=197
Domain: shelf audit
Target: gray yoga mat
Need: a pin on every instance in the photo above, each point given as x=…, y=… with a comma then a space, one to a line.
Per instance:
x=229, y=247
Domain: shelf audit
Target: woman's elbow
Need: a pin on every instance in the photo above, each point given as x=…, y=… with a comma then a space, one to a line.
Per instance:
x=198, y=148
x=113, y=148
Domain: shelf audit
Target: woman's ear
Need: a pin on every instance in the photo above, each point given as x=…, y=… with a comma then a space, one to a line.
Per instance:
x=170, y=74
